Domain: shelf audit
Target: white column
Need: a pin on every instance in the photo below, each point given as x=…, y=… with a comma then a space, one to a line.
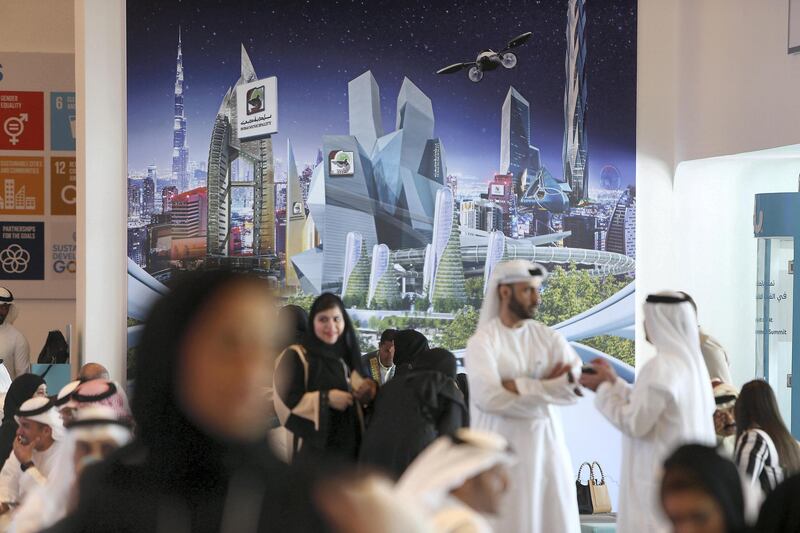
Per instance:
x=100, y=83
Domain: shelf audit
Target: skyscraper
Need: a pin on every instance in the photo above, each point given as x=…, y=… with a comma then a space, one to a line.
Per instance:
x=134, y=198
x=189, y=223
x=575, y=154
x=239, y=164
x=451, y=181
x=621, y=236
x=148, y=197
x=584, y=231
x=180, y=153
x=295, y=217
x=517, y=156
x=364, y=105
x=137, y=245
x=380, y=264
x=167, y=194
x=355, y=285
x=448, y=293
x=501, y=193
x=495, y=252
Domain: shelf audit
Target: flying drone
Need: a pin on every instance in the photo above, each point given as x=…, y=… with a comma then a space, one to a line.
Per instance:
x=489, y=59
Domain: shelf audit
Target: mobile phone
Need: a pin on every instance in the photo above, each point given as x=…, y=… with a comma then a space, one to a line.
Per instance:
x=588, y=369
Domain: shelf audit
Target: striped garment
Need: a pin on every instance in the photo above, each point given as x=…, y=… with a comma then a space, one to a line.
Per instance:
x=757, y=456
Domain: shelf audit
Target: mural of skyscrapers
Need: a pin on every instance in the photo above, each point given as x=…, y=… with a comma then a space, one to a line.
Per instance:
x=324, y=228
x=180, y=153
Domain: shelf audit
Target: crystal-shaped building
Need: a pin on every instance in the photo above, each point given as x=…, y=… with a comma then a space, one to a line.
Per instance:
x=388, y=197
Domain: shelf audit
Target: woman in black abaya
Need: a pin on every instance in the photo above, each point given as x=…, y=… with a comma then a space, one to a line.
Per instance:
x=314, y=395
x=412, y=410
x=200, y=461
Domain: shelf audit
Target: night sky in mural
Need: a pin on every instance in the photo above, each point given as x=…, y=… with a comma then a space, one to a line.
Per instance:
x=316, y=47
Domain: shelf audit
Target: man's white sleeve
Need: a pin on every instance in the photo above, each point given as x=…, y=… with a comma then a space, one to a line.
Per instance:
x=487, y=390
x=9, y=480
x=31, y=479
x=22, y=356
x=634, y=410
x=559, y=391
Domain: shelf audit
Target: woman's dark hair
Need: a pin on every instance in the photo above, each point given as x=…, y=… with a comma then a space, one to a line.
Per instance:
x=154, y=404
x=698, y=467
x=55, y=349
x=757, y=408
x=348, y=340
x=780, y=512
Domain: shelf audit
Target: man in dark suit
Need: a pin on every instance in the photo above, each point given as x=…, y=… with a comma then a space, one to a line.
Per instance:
x=380, y=363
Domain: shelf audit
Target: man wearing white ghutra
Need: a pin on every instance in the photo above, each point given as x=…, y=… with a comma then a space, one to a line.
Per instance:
x=519, y=370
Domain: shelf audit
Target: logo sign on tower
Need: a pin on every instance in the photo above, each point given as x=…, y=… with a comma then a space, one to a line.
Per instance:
x=341, y=163
x=257, y=109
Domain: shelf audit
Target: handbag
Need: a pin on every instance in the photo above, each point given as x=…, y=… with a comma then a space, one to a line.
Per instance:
x=584, y=491
x=601, y=503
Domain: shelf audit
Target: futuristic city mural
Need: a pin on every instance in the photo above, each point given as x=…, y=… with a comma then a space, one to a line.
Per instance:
x=418, y=145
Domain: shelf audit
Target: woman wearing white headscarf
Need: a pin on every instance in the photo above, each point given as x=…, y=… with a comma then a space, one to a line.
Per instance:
x=670, y=404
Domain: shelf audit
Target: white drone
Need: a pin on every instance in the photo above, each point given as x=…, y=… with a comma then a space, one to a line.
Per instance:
x=489, y=59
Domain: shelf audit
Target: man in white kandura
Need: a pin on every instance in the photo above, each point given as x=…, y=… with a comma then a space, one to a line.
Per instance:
x=459, y=480
x=14, y=348
x=519, y=370
x=669, y=405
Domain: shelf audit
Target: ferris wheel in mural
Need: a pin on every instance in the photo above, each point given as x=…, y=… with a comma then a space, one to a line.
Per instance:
x=489, y=59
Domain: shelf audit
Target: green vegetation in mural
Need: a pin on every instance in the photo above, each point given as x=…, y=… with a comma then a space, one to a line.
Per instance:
x=568, y=292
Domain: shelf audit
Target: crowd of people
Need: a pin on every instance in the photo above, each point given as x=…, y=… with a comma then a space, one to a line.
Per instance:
x=248, y=416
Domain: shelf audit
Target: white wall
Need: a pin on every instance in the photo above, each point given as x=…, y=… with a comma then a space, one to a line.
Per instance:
x=39, y=26
x=738, y=86
x=715, y=257
x=714, y=79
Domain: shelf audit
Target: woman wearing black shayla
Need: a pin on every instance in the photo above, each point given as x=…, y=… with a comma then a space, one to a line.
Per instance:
x=412, y=410
x=408, y=345
x=319, y=385
x=200, y=461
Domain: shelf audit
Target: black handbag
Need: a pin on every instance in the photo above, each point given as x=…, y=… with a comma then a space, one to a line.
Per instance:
x=584, y=491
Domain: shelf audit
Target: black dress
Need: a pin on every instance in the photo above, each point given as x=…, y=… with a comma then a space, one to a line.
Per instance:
x=319, y=430
x=198, y=486
x=410, y=412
